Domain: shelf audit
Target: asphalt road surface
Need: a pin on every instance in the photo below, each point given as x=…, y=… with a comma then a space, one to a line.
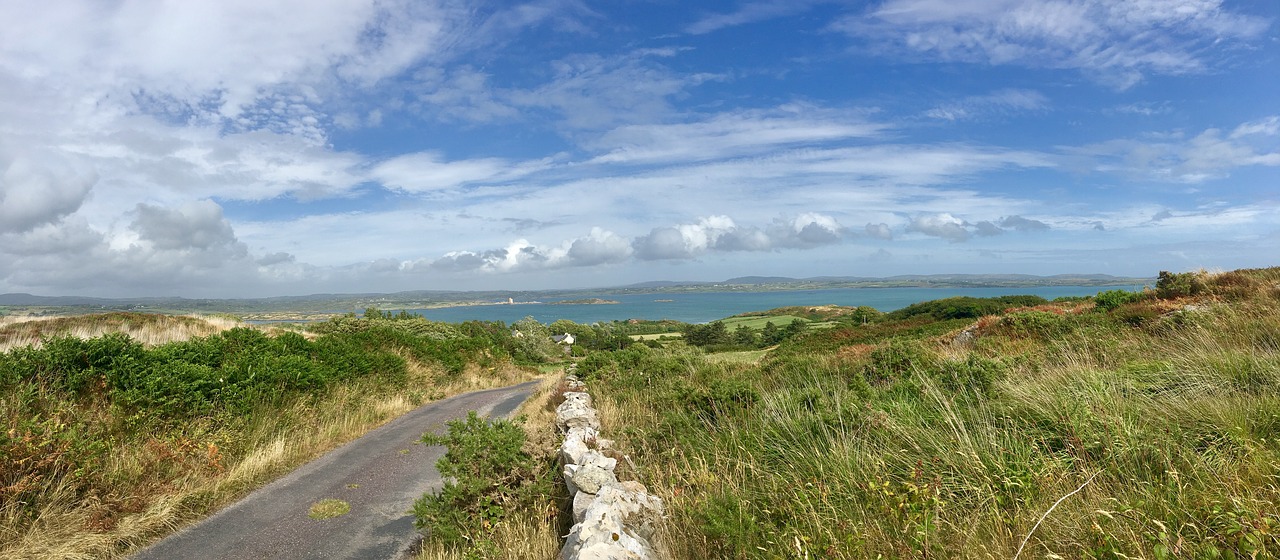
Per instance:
x=380, y=475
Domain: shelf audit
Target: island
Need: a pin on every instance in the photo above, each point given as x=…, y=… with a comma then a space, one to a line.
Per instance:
x=588, y=301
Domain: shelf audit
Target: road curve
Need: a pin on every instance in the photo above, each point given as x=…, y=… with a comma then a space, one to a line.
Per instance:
x=380, y=475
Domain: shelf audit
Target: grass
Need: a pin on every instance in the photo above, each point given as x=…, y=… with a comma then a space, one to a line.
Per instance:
x=149, y=329
x=656, y=336
x=1146, y=431
x=328, y=508
x=149, y=482
x=757, y=323
x=742, y=357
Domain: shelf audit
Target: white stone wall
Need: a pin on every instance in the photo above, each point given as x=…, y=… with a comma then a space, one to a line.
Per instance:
x=612, y=520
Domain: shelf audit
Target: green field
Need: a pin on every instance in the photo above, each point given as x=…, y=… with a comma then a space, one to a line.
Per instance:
x=758, y=323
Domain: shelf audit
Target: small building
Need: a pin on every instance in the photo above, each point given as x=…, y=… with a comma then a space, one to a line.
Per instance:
x=566, y=339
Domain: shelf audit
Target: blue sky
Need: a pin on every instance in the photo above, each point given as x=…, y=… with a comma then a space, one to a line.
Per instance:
x=240, y=148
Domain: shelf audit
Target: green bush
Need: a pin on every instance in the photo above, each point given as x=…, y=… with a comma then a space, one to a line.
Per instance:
x=1034, y=324
x=897, y=360
x=1170, y=285
x=1111, y=299
x=488, y=475
x=964, y=307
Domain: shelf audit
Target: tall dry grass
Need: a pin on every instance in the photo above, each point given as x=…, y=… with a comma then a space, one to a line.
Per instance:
x=156, y=484
x=1152, y=432
x=147, y=328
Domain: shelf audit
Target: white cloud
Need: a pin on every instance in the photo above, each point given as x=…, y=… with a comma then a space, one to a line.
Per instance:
x=1119, y=42
x=595, y=92
x=1020, y=223
x=751, y=12
x=942, y=225
x=600, y=247
x=198, y=226
x=879, y=231
x=731, y=134
x=1203, y=157
x=1002, y=102
x=426, y=171
x=40, y=187
x=721, y=233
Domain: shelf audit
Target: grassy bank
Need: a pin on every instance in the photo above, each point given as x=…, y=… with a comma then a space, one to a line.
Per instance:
x=1139, y=425
x=108, y=443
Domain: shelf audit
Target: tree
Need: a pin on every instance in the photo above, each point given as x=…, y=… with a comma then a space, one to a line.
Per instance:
x=771, y=334
x=706, y=335
x=745, y=336
x=795, y=327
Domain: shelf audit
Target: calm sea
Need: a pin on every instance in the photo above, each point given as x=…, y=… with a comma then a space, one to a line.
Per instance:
x=702, y=307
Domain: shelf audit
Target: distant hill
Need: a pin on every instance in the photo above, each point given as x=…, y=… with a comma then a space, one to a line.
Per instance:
x=759, y=280
x=342, y=303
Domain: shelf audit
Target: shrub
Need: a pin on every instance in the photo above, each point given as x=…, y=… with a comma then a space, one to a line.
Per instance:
x=486, y=471
x=1170, y=285
x=896, y=360
x=965, y=307
x=1111, y=299
x=1034, y=324
x=1136, y=314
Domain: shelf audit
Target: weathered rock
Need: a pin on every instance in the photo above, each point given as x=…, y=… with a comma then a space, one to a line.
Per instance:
x=576, y=412
x=966, y=337
x=589, y=478
x=641, y=512
x=575, y=445
x=581, y=501
x=616, y=524
x=613, y=520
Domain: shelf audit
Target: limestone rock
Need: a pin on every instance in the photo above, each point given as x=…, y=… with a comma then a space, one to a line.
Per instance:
x=576, y=412
x=575, y=446
x=590, y=477
x=581, y=501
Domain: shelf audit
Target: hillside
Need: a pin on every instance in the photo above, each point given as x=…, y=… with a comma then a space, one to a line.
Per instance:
x=1138, y=425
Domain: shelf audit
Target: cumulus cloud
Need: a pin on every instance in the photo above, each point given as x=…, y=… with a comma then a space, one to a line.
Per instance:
x=662, y=243
x=40, y=188
x=600, y=247
x=879, y=231
x=806, y=231
x=949, y=227
x=196, y=226
x=986, y=229
x=942, y=225
x=721, y=233
x=71, y=237
x=276, y=258
x=1020, y=223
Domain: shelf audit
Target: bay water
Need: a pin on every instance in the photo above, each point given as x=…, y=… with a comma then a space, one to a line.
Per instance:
x=702, y=307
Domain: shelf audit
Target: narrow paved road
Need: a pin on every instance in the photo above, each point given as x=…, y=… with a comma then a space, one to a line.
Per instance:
x=380, y=475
